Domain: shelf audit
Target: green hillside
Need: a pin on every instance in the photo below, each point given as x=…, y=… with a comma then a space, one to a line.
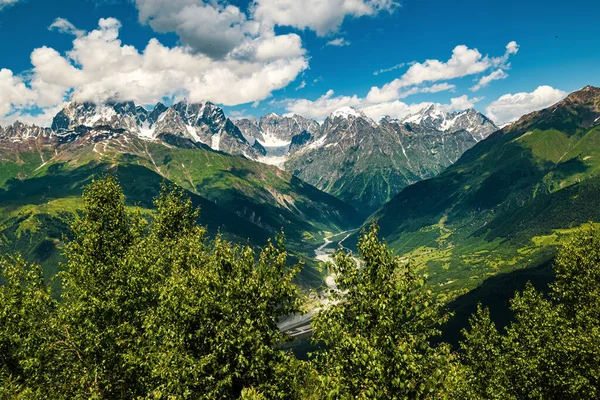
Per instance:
x=506, y=202
x=40, y=189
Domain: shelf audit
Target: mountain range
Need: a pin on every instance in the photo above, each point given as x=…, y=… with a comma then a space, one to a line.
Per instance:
x=362, y=162
x=467, y=200
x=44, y=171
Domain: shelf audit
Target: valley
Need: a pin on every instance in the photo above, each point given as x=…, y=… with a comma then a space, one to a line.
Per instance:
x=504, y=205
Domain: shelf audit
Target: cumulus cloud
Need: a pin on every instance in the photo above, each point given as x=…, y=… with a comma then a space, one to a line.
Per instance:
x=440, y=87
x=323, y=106
x=99, y=67
x=463, y=102
x=485, y=80
x=218, y=29
x=64, y=26
x=321, y=16
x=464, y=61
x=13, y=92
x=339, y=42
x=42, y=118
x=214, y=29
x=510, y=107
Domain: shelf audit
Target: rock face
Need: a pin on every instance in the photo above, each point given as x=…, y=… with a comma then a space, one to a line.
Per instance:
x=19, y=131
x=366, y=164
x=278, y=135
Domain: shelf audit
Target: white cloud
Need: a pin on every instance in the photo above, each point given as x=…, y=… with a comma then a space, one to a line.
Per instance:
x=440, y=87
x=13, y=92
x=339, y=42
x=319, y=109
x=463, y=102
x=485, y=80
x=99, y=68
x=323, y=106
x=6, y=3
x=511, y=107
x=302, y=85
x=64, y=26
x=464, y=61
x=237, y=115
x=511, y=48
x=214, y=29
x=383, y=70
x=219, y=30
x=43, y=119
x=394, y=109
x=322, y=16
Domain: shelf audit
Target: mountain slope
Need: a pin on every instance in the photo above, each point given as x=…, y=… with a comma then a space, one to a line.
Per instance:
x=43, y=171
x=365, y=164
x=506, y=201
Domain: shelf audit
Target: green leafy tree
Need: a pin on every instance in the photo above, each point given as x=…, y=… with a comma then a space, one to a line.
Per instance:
x=214, y=331
x=481, y=353
x=25, y=306
x=376, y=333
x=552, y=348
x=100, y=313
x=150, y=311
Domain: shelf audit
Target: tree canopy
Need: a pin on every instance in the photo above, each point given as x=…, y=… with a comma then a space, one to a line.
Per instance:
x=152, y=308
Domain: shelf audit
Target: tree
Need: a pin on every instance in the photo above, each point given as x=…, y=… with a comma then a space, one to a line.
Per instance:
x=101, y=307
x=552, y=348
x=481, y=354
x=214, y=331
x=376, y=332
x=150, y=310
x=25, y=306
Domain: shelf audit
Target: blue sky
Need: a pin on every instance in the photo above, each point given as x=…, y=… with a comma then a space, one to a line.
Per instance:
x=304, y=56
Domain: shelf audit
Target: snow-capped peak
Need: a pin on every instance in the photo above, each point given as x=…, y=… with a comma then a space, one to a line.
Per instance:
x=346, y=112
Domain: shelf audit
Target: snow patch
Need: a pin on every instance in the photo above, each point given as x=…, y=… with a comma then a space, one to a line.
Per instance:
x=318, y=143
x=273, y=141
x=146, y=132
x=192, y=132
x=345, y=112
x=215, y=142
x=276, y=161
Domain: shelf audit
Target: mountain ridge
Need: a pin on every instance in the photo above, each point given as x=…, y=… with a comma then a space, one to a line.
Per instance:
x=334, y=156
x=507, y=200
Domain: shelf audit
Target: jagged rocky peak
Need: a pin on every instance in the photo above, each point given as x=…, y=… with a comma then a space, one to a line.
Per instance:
x=196, y=114
x=187, y=124
x=430, y=117
x=21, y=131
x=116, y=115
x=171, y=122
x=434, y=118
x=276, y=131
x=347, y=112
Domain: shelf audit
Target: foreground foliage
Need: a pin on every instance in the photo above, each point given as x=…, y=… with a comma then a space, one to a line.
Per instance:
x=377, y=334
x=552, y=348
x=156, y=310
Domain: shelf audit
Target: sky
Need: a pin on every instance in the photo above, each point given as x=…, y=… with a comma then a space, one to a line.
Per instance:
x=311, y=57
